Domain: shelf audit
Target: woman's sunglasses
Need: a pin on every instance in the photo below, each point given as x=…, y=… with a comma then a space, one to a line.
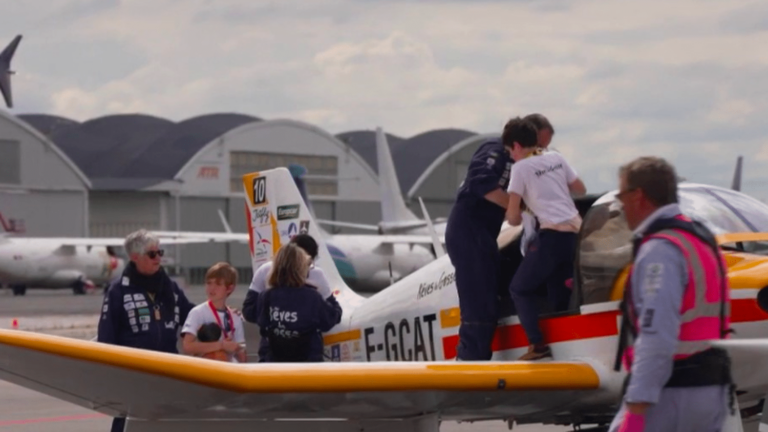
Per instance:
x=152, y=254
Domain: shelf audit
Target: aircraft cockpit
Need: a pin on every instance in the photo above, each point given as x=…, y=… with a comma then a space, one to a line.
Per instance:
x=604, y=246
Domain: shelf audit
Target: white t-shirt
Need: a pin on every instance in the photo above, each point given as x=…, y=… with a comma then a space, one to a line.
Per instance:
x=316, y=278
x=202, y=314
x=543, y=182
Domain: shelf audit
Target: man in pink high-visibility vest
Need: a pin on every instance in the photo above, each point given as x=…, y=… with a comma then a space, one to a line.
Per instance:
x=676, y=301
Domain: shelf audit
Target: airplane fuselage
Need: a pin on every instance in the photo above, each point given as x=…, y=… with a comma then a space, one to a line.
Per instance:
x=363, y=261
x=42, y=263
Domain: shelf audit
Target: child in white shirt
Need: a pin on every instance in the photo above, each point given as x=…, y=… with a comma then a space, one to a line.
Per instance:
x=220, y=281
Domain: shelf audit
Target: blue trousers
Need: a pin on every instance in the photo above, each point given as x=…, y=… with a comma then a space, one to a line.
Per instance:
x=475, y=257
x=118, y=424
x=548, y=260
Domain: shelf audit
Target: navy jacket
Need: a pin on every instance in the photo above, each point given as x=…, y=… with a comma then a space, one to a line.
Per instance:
x=294, y=319
x=489, y=169
x=128, y=316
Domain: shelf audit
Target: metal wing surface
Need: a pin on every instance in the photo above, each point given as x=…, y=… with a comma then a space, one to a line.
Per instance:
x=150, y=385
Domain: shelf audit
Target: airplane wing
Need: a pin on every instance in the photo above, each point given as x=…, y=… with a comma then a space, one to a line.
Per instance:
x=114, y=241
x=218, y=237
x=408, y=239
x=349, y=225
x=153, y=385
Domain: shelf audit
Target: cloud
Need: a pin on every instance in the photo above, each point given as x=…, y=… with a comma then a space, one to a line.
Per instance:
x=684, y=80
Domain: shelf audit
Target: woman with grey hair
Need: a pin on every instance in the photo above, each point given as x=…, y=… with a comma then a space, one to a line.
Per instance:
x=144, y=307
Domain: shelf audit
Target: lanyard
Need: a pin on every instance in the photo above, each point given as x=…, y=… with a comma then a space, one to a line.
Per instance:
x=230, y=321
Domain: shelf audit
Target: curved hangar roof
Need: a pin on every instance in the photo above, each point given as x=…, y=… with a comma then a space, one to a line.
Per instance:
x=133, y=151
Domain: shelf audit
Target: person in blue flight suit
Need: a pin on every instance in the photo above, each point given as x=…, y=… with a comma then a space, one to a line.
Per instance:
x=144, y=307
x=293, y=314
x=316, y=278
x=470, y=237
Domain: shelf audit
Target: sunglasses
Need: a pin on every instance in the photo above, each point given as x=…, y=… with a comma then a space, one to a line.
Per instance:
x=622, y=194
x=152, y=254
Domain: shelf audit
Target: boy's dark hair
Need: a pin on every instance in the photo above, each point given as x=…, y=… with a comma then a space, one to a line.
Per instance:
x=209, y=332
x=519, y=131
x=540, y=122
x=306, y=242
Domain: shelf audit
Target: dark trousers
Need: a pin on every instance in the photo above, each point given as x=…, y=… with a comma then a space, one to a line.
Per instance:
x=475, y=257
x=548, y=260
x=118, y=424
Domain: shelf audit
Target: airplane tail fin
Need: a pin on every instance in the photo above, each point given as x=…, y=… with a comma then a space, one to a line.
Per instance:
x=6, y=72
x=393, y=208
x=736, y=183
x=276, y=212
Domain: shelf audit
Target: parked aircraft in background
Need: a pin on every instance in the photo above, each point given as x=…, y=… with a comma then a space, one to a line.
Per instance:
x=6, y=72
x=67, y=262
x=413, y=325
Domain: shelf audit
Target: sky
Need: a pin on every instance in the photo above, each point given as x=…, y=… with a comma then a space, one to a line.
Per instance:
x=686, y=80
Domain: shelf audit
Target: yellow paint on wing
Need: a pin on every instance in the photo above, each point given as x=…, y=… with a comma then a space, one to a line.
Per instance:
x=308, y=377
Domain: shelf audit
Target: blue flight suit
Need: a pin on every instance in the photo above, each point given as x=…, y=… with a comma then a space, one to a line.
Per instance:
x=293, y=319
x=470, y=239
x=128, y=314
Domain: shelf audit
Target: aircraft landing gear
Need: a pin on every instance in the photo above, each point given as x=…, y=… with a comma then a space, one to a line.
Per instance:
x=78, y=288
x=19, y=290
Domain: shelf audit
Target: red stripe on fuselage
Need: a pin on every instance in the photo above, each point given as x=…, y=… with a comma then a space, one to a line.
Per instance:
x=578, y=327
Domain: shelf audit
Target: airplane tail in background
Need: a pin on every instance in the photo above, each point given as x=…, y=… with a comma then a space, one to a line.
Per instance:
x=6, y=72
x=736, y=183
x=277, y=212
x=393, y=208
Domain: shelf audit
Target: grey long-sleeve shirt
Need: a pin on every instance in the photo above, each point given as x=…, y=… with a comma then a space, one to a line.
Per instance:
x=659, y=279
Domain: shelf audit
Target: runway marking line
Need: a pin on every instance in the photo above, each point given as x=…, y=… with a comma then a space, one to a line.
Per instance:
x=51, y=419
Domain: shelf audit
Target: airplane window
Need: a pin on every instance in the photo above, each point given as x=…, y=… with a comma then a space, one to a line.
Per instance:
x=604, y=249
x=754, y=212
x=700, y=205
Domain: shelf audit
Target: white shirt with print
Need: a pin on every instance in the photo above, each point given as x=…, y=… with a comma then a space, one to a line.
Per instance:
x=543, y=182
x=316, y=278
x=202, y=314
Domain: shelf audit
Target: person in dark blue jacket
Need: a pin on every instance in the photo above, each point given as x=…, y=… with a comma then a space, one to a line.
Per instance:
x=292, y=314
x=144, y=307
x=470, y=237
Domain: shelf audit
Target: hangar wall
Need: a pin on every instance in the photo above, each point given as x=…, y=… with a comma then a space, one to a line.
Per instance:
x=40, y=188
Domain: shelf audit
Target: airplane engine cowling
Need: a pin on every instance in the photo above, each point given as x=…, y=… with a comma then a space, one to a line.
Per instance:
x=64, y=278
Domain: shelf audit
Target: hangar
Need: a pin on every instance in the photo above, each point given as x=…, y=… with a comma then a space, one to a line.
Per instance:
x=146, y=171
x=42, y=192
x=111, y=175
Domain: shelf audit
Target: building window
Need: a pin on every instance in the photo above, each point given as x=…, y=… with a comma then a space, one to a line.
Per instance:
x=244, y=162
x=10, y=162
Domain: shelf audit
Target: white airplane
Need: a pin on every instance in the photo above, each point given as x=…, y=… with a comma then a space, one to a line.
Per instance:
x=397, y=218
x=390, y=355
x=365, y=262
x=66, y=262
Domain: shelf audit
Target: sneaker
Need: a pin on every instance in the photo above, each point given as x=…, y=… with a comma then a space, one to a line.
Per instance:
x=536, y=354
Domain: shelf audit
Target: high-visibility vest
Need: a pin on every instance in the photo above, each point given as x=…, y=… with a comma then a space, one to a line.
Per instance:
x=705, y=308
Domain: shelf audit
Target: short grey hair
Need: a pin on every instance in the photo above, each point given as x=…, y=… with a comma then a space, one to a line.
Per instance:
x=139, y=241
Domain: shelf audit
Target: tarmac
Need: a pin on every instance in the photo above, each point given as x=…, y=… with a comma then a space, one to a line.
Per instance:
x=62, y=313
